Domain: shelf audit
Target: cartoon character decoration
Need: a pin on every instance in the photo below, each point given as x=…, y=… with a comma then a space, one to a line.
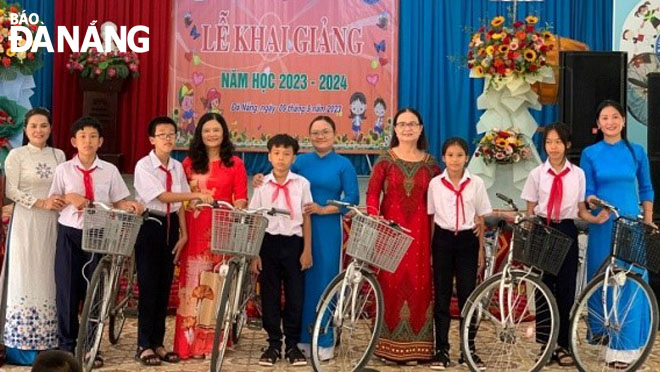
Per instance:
x=649, y=15
x=186, y=102
x=379, y=110
x=358, y=107
x=212, y=101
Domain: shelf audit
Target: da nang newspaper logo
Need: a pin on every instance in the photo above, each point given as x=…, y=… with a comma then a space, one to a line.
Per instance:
x=28, y=34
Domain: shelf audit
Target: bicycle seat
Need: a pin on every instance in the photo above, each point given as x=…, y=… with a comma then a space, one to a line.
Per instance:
x=582, y=225
x=495, y=220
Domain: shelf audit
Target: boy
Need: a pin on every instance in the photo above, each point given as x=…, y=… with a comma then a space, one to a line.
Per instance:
x=83, y=179
x=161, y=184
x=286, y=251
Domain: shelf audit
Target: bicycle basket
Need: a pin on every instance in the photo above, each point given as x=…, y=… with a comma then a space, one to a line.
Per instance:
x=377, y=243
x=637, y=243
x=541, y=246
x=109, y=232
x=237, y=232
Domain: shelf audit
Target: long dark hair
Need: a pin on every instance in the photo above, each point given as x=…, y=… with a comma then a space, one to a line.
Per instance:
x=422, y=144
x=38, y=111
x=197, y=151
x=617, y=106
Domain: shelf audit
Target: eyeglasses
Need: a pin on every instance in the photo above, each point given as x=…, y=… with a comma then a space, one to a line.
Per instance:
x=166, y=136
x=322, y=133
x=410, y=125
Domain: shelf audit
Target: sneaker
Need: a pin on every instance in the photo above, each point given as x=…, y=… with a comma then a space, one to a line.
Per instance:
x=296, y=357
x=440, y=360
x=270, y=357
x=475, y=358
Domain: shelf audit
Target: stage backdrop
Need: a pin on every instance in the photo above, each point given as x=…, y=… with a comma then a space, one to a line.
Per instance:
x=636, y=30
x=272, y=66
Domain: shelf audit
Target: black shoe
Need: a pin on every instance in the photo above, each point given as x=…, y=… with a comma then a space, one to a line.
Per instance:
x=270, y=357
x=295, y=357
x=440, y=360
x=475, y=358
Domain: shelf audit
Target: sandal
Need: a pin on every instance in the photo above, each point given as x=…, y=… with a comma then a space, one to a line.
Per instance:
x=618, y=365
x=98, y=362
x=563, y=357
x=165, y=356
x=146, y=359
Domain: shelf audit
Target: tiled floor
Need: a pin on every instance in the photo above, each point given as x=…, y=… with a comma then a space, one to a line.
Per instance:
x=245, y=355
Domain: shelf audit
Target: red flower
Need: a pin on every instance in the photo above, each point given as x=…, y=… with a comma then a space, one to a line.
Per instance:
x=30, y=55
x=517, y=24
x=33, y=28
x=532, y=68
x=506, y=40
x=510, y=55
x=544, y=49
x=470, y=65
x=6, y=23
x=502, y=134
x=13, y=9
x=501, y=69
x=6, y=61
x=529, y=28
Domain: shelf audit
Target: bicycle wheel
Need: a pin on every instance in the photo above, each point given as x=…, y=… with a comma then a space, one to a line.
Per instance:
x=353, y=329
x=117, y=317
x=241, y=318
x=513, y=327
x=225, y=317
x=625, y=335
x=93, y=315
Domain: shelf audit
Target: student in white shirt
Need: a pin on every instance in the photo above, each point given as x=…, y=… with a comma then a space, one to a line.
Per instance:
x=83, y=179
x=285, y=252
x=554, y=191
x=161, y=185
x=456, y=199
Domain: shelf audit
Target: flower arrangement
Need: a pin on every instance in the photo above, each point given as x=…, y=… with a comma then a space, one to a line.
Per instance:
x=5, y=118
x=11, y=62
x=104, y=66
x=503, y=147
x=502, y=51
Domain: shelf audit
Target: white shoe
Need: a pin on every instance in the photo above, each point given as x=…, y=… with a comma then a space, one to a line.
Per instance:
x=306, y=349
x=326, y=353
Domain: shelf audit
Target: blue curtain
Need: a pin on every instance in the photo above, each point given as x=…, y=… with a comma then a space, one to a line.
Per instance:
x=434, y=36
x=43, y=78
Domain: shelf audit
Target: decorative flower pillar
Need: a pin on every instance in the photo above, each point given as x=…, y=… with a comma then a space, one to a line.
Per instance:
x=510, y=60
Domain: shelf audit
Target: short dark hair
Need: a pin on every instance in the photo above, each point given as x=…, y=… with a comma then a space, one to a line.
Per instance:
x=55, y=361
x=563, y=131
x=158, y=120
x=38, y=111
x=84, y=122
x=422, y=144
x=458, y=141
x=324, y=118
x=283, y=140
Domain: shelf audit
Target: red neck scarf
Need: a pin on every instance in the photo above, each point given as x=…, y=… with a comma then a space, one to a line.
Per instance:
x=556, y=194
x=459, y=198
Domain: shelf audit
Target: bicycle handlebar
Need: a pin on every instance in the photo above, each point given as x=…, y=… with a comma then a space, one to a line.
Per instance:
x=353, y=207
x=269, y=211
x=507, y=200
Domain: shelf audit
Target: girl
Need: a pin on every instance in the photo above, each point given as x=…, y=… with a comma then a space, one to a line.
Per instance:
x=555, y=191
x=455, y=198
x=617, y=171
x=358, y=106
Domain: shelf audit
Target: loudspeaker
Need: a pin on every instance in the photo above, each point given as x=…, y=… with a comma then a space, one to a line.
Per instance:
x=653, y=134
x=586, y=79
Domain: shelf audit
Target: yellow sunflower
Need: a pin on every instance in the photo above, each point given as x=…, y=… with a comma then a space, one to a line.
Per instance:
x=496, y=36
x=497, y=21
x=490, y=49
x=479, y=71
x=10, y=53
x=531, y=20
x=530, y=55
x=547, y=35
x=503, y=48
x=501, y=142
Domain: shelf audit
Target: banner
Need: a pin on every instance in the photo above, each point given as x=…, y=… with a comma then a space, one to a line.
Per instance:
x=272, y=66
x=636, y=31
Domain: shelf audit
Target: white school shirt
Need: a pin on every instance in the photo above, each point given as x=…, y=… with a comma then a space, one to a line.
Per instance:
x=150, y=181
x=108, y=186
x=442, y=202
x=299, y=193
x=539, y=183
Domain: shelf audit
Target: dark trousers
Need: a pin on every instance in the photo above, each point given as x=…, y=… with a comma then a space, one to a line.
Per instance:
x=69, y=283
x=280, y=261
x=562, y=287
x=454, y=256
x=155, y=268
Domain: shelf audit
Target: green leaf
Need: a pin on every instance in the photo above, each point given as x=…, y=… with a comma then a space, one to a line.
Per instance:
x=103, y=65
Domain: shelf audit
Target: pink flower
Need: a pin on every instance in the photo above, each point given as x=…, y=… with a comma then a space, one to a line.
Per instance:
x=98, y=71
x=112, y=72
x=133, y=67
x=499, y=156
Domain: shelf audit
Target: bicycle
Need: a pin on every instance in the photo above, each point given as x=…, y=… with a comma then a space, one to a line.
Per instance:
x=112, y=233
x=238, y=233
x=498, y=307
x=350, y=310
x=617, y=299
x=117, y=315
